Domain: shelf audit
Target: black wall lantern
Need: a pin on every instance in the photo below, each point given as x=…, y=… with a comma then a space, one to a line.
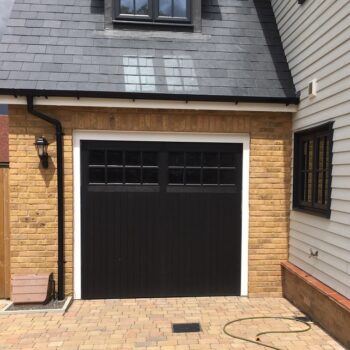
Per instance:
x=41, y=146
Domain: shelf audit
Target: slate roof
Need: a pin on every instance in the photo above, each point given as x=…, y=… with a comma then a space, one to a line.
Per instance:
x=5, y=10
x=61, y=45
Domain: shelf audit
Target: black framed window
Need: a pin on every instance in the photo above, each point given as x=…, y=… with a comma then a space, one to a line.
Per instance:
x=313, y=170
x=116, y=167
x=140, y=8
x=154, y=10
x=203, y=168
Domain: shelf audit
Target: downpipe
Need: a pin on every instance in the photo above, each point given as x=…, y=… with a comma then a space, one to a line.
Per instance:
x=60, y=192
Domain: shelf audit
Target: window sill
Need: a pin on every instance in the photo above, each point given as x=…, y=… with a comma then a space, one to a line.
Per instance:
x=153, y=25
x=312, y=211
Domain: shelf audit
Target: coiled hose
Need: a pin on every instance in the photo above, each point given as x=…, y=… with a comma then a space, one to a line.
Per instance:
x=257, y=337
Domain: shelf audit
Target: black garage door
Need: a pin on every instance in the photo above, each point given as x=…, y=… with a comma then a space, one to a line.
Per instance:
x=160, y=219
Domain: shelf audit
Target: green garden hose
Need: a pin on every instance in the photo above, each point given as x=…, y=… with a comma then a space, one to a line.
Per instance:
x=257, y=337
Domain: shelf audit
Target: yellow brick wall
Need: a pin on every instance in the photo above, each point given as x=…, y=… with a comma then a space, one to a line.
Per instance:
x=33, y=211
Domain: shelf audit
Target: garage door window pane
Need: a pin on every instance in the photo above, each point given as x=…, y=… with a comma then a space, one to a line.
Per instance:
x=210, y=159
x=132, y=158
x=176, y=176
x=115, y=158
x=227, y=159
x=115, y=175
x=210, y=177
x=97, y=157
x=193, y=176
x=176, y=158
x=132, y=175
x=227, y=177
x=150, y=176
x=150, y=158
x=96, y=175
x=193, y=159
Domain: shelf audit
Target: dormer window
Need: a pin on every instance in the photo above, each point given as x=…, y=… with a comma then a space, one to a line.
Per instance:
x=154, y=11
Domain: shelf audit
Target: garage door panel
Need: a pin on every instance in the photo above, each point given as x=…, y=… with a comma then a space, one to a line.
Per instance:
x=162, y=239
x=140, y=245
x=101, y=246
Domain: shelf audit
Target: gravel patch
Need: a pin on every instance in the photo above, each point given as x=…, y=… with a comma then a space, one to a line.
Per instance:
x=53, y=304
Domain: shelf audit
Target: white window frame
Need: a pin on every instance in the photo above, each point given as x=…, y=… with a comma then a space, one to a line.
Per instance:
x=82, y=135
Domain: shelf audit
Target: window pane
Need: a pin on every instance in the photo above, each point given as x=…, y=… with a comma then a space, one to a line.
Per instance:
x=150, y=158
x=227, y=159
x=176, y=158
x=97, y=175
x=115, y=175
x=97, y=157
x=306, y=194
x=115, y=158
x=150, y=176
x=193, y=158
x=127, y=7
x=227, y=177
x=321, y=154
x=309, y=187
x=180, y=8
x=319, y=190
x=210, y=159
x=308, y=149
x=132, y=158
x=327, y=141
x=326, y=194
x=193, y=176
x=304, y=160
x=176, y=176
x=141, y=7
x=132, y=175
x=165, y=8
x=303, y=182
x=210, y=176
x=327, y=169
x=310, y=155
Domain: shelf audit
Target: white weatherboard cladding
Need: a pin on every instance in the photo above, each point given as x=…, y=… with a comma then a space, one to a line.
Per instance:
x=316, y=39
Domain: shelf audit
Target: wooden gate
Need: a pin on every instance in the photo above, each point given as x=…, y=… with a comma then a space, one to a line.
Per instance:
x=4, y=235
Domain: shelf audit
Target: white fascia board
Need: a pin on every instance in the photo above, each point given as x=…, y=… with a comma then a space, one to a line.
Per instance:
x=152, y=104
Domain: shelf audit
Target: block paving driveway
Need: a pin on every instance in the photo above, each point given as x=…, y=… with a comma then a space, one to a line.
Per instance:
x=146, y=324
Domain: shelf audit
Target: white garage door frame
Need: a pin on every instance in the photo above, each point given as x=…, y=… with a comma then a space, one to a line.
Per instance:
x=88, y=135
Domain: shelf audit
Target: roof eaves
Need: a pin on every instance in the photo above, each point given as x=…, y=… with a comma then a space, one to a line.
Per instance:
x=149, y=96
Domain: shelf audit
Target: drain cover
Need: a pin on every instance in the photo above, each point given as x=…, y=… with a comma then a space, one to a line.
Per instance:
x=186, y=327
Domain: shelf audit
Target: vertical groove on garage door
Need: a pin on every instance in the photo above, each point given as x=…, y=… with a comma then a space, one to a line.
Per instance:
x=160, y=240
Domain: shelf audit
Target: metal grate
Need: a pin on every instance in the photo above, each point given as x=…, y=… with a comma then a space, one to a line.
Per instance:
x=186, y=327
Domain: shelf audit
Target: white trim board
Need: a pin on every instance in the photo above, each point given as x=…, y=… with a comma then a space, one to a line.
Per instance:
x=79, y=135
x=152, y=104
